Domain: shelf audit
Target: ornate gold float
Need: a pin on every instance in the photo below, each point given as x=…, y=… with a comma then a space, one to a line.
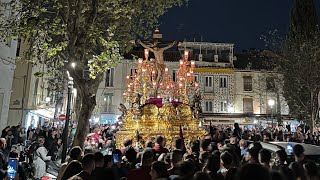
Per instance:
x=158, y=105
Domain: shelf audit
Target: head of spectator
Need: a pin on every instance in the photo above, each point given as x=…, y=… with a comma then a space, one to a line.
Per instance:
x=231, y=174
x=147, y=158
x=287, y=172
x=73, y=168
x=311, y=170
x=298, y=152
x=99, y=160
x=213, y=164
x=3, y=143
x=203, y=157
x=75, y=153
x=233, y=140
x=130, y=154
x=226, y=160
x=204, y=144
x=176, y=156
x=158, y=170
x=160, y=141
x=281, y=157
x=149, y=144
x=108, y=161
x=252, y=156
x=186, y=169
x=276, y=175
x=253, y=171
x=243, y=144
x=265, y=157
x=266, y=137
x=127, y=142
x=41, y=141
x=178, y=143
x=88, y=163
x=298, y=169
x=201, y=176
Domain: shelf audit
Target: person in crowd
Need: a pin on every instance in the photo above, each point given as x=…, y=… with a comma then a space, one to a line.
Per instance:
x=213, y=165
x=281, y=159
x=175, y=157
x=186, y=170
x=265, y=158
x=237, y=131
x=287, y=172
x=298, y=152
x=74, y=154
x=99, y=171
x=73, y=168
x=22, y=135
x=276, y=175
x=159, y=146
x=159, y=171
x=231, y=174
x=297, y=168
x=253, y=172
x=143, y=171
x=179, y=145
x=9, y=139
x=311, y=170
x=88, y=166
x=201, y=176
x=5, y=132
x=40, y=158
x=3, y=144
x=226, y=162
x=243, y=147
x=252, y=156
x=51, y=143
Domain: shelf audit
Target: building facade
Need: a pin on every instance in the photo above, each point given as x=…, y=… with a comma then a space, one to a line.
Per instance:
x=229, y=94
x=8, y=54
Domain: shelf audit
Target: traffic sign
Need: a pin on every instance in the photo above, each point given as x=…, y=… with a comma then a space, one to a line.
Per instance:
x=62, y=117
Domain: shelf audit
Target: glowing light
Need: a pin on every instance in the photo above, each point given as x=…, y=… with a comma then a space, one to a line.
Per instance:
x=271, y=102
x=73, y=65
x=181, y=62
x=166, y=70
x=140, y=61
x=188, y=74
x=128, y=77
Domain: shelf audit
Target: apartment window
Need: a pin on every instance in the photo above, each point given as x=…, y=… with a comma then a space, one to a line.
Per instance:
x=109, y=77
x=174, y=75
x=270, y=83
x=107, y=103
x=132, y=73
x=247, y=83
x=223, y=81
x=196, y=78
x=209, y=107
x=223, y=106
x=247, y=105
x=209, y=81
x=35, y=92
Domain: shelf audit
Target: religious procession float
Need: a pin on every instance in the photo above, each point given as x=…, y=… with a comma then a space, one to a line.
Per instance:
x=157, y=104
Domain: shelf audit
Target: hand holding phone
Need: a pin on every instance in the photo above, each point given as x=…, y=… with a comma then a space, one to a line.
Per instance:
x=12, y=167
x=115, y=158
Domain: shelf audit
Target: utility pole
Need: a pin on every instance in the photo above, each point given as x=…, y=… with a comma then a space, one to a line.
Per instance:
x=66, y=125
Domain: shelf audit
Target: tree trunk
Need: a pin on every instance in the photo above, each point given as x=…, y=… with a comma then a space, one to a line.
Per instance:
x=87, y=105
x=279, y=119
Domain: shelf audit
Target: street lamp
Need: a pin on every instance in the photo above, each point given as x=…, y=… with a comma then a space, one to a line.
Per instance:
x=66, y=126
x=271, y=103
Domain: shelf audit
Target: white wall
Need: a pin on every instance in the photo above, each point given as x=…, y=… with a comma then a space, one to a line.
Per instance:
x=7, y=66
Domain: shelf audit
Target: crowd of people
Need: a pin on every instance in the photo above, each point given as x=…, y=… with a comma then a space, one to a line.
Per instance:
x=222, y=154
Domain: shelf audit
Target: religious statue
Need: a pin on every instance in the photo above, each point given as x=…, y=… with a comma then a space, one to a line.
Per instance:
x=159, y=60
x=123, y=110
x=196, y=105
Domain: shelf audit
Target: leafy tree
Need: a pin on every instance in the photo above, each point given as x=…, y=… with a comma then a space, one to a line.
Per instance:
x=298, y=60
x=91, y=33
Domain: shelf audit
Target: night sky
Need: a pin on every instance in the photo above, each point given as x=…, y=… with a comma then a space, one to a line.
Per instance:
x=241, y=22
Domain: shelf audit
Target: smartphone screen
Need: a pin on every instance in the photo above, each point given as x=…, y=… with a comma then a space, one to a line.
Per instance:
x=12, y=167
x=289, y=148
x=115, y=158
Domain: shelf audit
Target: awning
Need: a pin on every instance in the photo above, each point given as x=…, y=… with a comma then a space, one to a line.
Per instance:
x=46, y=113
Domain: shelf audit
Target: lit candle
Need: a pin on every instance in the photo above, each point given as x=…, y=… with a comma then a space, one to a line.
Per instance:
x=181, y=62
x=191, y=72
x=140, y=60
x=188, y=74
x=153, y=72
x=128, y=77
x=193, y=63
x=124, y=93
x=154, y=83
x=180, y=85
x=168, y=87
x=146, y=53
x=186, y=54
x=158, y=96
x=144, y=70
x=166, y=70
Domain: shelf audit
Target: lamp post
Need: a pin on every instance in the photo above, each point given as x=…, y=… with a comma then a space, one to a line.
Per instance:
x=66, y=125
x=271, y=103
